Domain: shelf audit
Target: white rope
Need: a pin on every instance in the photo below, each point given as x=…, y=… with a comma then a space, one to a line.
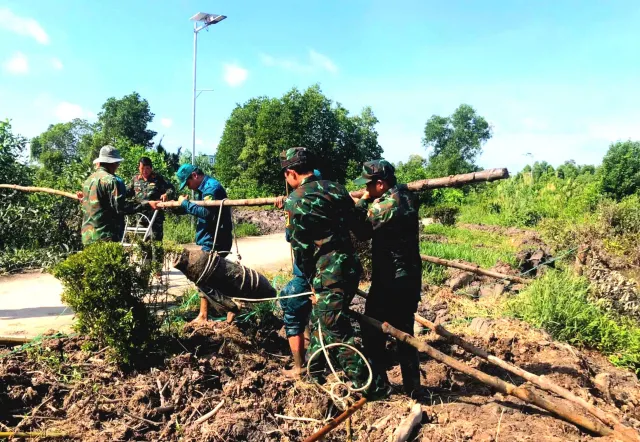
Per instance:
x=332, y=391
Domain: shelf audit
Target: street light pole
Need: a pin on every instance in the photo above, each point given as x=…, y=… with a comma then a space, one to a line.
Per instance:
x=206, y=20
x=193, y=122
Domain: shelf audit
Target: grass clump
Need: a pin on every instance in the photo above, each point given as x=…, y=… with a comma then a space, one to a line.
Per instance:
x=558, y=302
x=246, y=229
x=179, y=229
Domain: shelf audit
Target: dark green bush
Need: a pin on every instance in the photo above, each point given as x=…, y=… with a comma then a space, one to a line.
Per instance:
x=445, y=215
x=106, y=291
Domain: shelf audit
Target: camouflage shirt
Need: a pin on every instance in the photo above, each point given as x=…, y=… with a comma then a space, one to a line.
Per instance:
x=394, y=227
x=151, y=189
x=319, y=215
x=104, y=207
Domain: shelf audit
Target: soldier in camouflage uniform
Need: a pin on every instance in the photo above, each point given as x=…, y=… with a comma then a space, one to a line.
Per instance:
x=295, y=310
x=103, y=200
x=318, y=217
x=392, y=215
x=149, y=186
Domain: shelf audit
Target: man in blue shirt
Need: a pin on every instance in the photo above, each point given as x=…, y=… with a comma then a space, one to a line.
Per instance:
x=206, y=189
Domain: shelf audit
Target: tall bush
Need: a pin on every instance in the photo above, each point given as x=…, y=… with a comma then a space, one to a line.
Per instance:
x=106, y=291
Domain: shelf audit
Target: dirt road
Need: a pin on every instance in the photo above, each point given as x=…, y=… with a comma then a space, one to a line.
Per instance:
x=30, y=302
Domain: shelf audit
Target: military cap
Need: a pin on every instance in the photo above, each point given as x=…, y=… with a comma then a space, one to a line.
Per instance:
x=184, y=173
x=295, y=156
x=375, y=170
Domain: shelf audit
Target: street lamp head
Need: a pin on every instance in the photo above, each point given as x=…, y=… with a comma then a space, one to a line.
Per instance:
x=208, y=19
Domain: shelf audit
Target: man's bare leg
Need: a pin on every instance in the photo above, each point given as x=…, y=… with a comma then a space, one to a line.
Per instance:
x=296, y=343
x=203, y=316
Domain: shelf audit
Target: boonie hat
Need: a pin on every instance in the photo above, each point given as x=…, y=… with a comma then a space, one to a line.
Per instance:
x=108, y=154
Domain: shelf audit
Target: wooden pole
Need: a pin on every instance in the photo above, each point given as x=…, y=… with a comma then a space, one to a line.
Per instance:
x=453, y=180
x=416, y=186
x=521, y=392
x=336, y=421
x=473, y=268
x=606, y=418
x=39, y=189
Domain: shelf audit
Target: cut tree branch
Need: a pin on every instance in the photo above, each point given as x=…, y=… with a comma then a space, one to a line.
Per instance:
x=39, y=189
x=545, y=384
x=473, y=268
x=521, y=392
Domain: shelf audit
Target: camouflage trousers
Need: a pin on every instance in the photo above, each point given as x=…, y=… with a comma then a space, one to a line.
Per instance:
x=329, y=316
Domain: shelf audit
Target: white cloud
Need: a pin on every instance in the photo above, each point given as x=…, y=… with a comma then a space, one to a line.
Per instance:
x=166, y=122
x=66, y=111
x=322, y=61
x=18, y=64
x=234, y=74
x=57, y=64
x=317, y=62
x=22, y=26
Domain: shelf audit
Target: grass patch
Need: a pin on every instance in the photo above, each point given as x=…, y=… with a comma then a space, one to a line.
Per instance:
x=471, y=237
x=558, y=302
x=482, y=248
x=246, y=229
x=179, y=229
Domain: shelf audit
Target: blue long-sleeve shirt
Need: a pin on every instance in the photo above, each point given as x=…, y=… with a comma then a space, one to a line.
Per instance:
x=211, y=189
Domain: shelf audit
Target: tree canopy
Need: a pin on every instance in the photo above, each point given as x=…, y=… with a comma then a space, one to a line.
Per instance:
x=257, y=131
x=128, y=118
x=455, y=141
x=621, y=169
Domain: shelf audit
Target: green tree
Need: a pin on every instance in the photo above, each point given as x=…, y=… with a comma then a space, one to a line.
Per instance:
x=63, y=143
x=11, y=147
x=413, y=170
x=568, y=170
x=256, y=132
x=126, y=118
x=455, y=141
x=621, y=169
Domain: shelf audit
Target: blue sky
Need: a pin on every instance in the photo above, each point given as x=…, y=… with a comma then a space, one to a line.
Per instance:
x=558, y=79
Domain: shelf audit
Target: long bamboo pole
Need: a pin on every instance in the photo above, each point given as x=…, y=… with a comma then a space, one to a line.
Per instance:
x=504, y=387
x=416, y=186
x=336, y=421
x=46, y=434
x=473, y=268
x=545, y=384
x=39, y=189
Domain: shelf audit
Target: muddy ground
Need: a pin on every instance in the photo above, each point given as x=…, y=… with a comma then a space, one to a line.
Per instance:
x=61, y=387
x=58, y=386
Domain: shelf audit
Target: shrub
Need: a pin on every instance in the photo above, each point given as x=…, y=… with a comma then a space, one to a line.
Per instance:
x=446, y=215
x=106, y=290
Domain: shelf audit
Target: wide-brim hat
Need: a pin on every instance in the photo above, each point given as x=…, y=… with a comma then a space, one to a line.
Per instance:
x=108, y=154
